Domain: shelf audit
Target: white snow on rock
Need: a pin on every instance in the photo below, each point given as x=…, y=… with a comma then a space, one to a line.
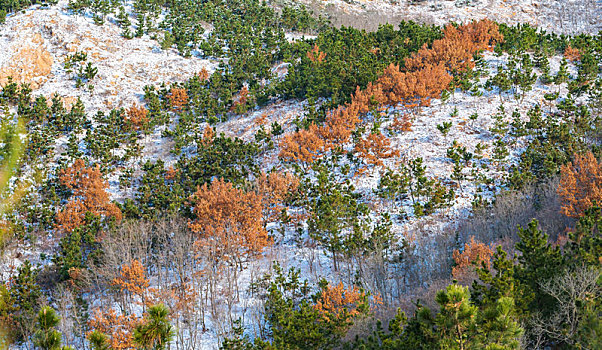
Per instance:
x=125, y=66
x=568, y=17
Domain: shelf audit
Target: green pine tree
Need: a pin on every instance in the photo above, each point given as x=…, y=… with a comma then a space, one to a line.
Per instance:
x=99, y=340
x=46, y=336
x=498, y=326
x=539, y=261
x=156, y=332
x=563, y=74
x=457, y=317
x=26, y=294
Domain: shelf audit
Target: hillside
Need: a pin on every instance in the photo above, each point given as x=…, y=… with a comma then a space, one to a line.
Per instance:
x=254, y=176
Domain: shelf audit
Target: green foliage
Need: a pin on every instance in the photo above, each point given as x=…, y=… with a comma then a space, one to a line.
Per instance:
x=158, y=193
x=294, y=322
x=352, y=58
x=584, y=246
x=554, y=140
x=539, y=260
x=79, y=248
x=461, y=158
x=524, y=37
x=427, y=194
x=98, y=340
x=498, y=327
x=8, y=6
x=338, y=218
x=444, y=128
x=521, y=74
x=223, y=157
x=46, y=336
x=156, y=332
x=459, y=324
x=394, y=185
x=456, y=318
x=21, y=303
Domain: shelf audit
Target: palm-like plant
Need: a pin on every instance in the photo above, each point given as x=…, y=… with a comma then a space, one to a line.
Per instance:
x=156, y=332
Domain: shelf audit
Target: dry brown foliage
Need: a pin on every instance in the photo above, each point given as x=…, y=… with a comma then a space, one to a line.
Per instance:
x=178, y=98
x=132, y=279
x=315, y=55
x=428, y=73
x=580, y=184
x=208, y=135
x=474, y=253
x=404, y=124
x=89, y=196
x=339, y=125
x=339, y=304
x=171, y=173
x=304, y=146
x=457, y=47
x=228, y=221
x=261, y=120
x=415, y=88
x=137, y=117
x=240, y=100
x=203, y=74
x=374, y=148
x=572, y=54
x=273, y=189
x=119, y=328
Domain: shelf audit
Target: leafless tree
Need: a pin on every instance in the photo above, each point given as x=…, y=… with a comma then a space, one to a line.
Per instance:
x=569, y=289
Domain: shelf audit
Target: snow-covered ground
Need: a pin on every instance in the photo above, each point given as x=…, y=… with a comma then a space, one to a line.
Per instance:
x=124, y=66
x=568, y=17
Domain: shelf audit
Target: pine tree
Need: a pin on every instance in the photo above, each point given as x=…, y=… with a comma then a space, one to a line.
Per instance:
x=580, y=184
x=333, y=216
x=89, y=196
x=124, y=22
x=46, y=336
x=228, y=221
x=498, y=281
x=140, y=25
x=98, y=340
x=502, y=81
x=456, y=318
x=563, y=74
x=155, y=332
x=584, y=246
x=539, y=261
x=25, y=293
x=498, y=327
x=71, y=253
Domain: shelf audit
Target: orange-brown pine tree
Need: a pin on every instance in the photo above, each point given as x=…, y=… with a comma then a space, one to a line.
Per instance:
x=89, y=196
x=572, y=54
x=178, y=98
x=304, y=146
x=273, y=189
x=457, y=47
x=315, y=55
x=228, y=221
x=339, y=125
x=137, y=117
x=340, y=306
x=203, y=74
x=402, y=124
x=580, y=184
x=375, y=148
x=474, y=253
